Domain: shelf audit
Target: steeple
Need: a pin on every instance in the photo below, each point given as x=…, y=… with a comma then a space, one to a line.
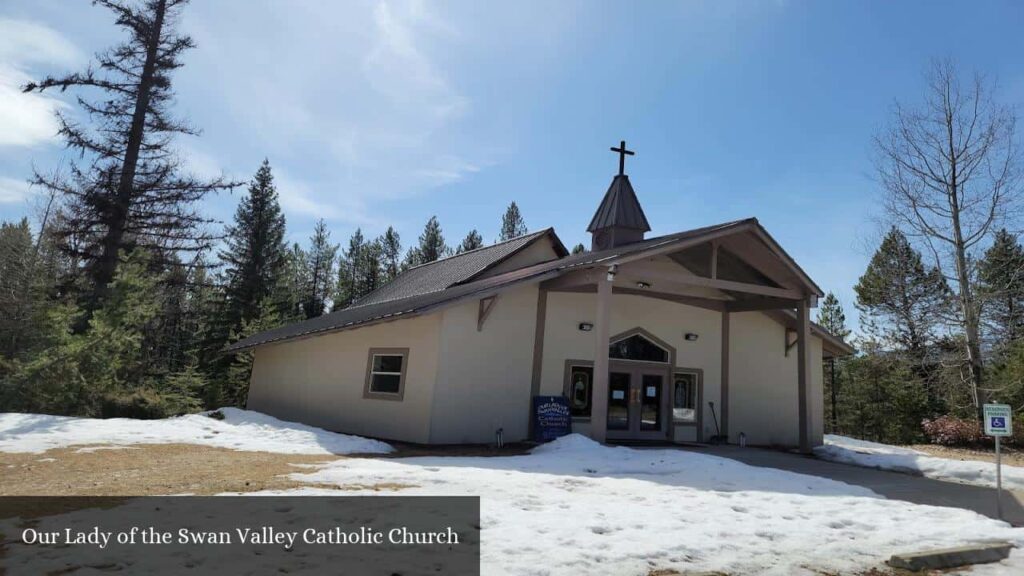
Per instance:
x=619, y=219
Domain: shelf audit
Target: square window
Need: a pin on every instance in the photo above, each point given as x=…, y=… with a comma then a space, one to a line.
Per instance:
x=385, y=378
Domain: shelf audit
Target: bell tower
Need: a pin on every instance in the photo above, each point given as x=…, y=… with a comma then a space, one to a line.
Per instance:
x=619, y=219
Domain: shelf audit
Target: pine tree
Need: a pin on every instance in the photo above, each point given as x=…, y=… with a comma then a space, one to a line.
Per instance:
x=128, y=189
x=255, y=257
x=579, y=249
x=472, y=241
x=512, y=224
x=391, y=253
x=17, y=293
x=296, y=281
x=320, y=262
x=369, y=267
x=833, y=319
x=432, y=245
x=1001, y=274
x=900, y=298
x=349, y=272
x=235, y=391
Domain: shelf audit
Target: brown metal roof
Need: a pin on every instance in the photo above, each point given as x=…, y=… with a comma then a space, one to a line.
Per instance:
x=619, y=208
x=410, y=303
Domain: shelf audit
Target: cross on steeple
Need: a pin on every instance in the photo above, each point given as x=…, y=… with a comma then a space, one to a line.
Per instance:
x=622, y=156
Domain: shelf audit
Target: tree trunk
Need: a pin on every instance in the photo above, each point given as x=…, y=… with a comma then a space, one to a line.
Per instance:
x=117, y=220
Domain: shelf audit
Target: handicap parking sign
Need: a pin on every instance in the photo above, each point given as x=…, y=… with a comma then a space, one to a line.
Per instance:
x=998, y=420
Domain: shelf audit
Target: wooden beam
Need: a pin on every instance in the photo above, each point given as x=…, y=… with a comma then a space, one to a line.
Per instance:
x=652, y=274
x=696, y=301
x=602, y=330
x=484, y=310
x=803, y=353
x=725, y=374
x=714, y=260
x=538, y=353
x=571, y=280
x=790, y=343
x=765, y=303
x=677, y=245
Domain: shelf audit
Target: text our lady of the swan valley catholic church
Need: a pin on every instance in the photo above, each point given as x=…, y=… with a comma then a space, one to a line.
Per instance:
x=683, y=337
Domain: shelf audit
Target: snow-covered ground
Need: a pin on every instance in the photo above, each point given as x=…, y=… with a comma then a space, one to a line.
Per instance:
x=886, y=457
x=239, y=430
x=576, y=507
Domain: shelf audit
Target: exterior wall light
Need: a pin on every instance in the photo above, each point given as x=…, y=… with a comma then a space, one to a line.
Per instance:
x=586, y=326
x=642, y=285
x=690, y=337
x=612, y=271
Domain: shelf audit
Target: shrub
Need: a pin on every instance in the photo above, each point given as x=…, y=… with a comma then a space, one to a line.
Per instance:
x=953, y=431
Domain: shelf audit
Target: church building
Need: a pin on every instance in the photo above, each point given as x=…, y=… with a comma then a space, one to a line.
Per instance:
x=693, y=336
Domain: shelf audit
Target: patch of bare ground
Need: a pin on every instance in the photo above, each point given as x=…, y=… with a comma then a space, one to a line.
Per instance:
x=1011, y=456
x=157, y=469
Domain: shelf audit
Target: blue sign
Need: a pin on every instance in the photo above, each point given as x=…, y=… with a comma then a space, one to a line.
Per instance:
x=998, y=422
x=551, y=417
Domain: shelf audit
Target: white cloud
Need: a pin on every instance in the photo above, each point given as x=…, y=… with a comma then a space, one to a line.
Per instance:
x=13, y=191
x=28, y=119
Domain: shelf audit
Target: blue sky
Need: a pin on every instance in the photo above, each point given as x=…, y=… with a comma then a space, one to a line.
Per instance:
x=377, y=113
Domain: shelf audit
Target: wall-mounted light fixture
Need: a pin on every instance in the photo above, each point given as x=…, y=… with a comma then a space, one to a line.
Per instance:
x=612, y=271
x=690, y=337
x=642, y=284
x=586, y=326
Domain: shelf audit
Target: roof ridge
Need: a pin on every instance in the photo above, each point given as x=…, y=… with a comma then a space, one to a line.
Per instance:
x=446, y=258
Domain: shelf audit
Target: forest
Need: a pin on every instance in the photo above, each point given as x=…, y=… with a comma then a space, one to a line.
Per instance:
x=119, y=295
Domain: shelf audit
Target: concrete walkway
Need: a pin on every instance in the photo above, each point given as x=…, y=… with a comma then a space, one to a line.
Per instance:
x=892, y=485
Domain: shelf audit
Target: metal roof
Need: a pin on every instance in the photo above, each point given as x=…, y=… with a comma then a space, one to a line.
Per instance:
x=362, y=313
x=447, y=272
x=619, y=208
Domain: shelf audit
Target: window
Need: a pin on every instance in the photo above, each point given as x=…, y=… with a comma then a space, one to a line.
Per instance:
x=684, y=397
x=579, y=393
x=385, y=373
x=636, y=347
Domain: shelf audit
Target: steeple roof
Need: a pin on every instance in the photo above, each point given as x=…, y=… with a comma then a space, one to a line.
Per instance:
x=619, y=208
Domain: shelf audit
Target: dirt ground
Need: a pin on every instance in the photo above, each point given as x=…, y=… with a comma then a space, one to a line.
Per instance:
x=153, y=469
x=1011, y=457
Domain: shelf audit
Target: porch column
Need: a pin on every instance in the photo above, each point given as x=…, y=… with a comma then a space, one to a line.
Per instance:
x=602, y=331
x=803, y=328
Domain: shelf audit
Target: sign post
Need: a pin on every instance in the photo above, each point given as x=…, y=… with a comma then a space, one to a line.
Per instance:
x=998, y=423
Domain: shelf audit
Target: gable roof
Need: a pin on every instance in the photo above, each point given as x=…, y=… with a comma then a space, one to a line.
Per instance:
x=619, y=208
x=407, y=302
x=457, y=269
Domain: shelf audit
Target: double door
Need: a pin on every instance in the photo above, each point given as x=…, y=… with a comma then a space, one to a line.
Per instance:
x=637, y=402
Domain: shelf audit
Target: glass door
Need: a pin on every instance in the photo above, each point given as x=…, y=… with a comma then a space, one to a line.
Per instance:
x=618, y=401
x=651, y=394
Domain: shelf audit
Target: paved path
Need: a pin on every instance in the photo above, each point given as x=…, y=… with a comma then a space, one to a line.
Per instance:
x=893, y=485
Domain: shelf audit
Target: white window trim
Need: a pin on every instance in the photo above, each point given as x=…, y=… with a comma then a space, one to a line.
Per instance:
x=368, y=391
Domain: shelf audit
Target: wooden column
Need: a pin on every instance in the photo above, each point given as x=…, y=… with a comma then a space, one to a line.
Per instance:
x=538, y=354
x=803, y=329
x=724, y=408
x=602, y=331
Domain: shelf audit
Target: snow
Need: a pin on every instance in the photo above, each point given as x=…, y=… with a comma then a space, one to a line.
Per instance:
x=886, y=457
x=239, y=430
x=576, y=507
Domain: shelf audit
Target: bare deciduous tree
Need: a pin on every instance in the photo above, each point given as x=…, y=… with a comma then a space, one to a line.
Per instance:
x=951, y=171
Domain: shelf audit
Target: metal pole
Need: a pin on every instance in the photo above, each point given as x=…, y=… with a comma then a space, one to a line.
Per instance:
x=999, y=481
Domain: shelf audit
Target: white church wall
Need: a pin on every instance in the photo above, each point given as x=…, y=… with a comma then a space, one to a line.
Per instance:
x=483, y=378
x=320, y=380
x=763, y=401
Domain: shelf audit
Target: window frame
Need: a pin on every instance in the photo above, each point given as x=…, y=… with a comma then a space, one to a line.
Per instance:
x=698, y=383
x=368, y=392
x=567, y=386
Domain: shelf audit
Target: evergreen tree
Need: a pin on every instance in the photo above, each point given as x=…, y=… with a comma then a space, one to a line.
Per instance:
x=296, y=282
x=349, y=272
x=413, y=258
x=833, y=319
x=1001, y=274
x=369, y=269
x=255, y=257
x=472, y=241
x=235, y=391
x=512, y=224
x=432, y=245
x=900, y=298
x=17, y=290
x=320, y=261
x=578, y=249
x=128, y=189
x=391, y=253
